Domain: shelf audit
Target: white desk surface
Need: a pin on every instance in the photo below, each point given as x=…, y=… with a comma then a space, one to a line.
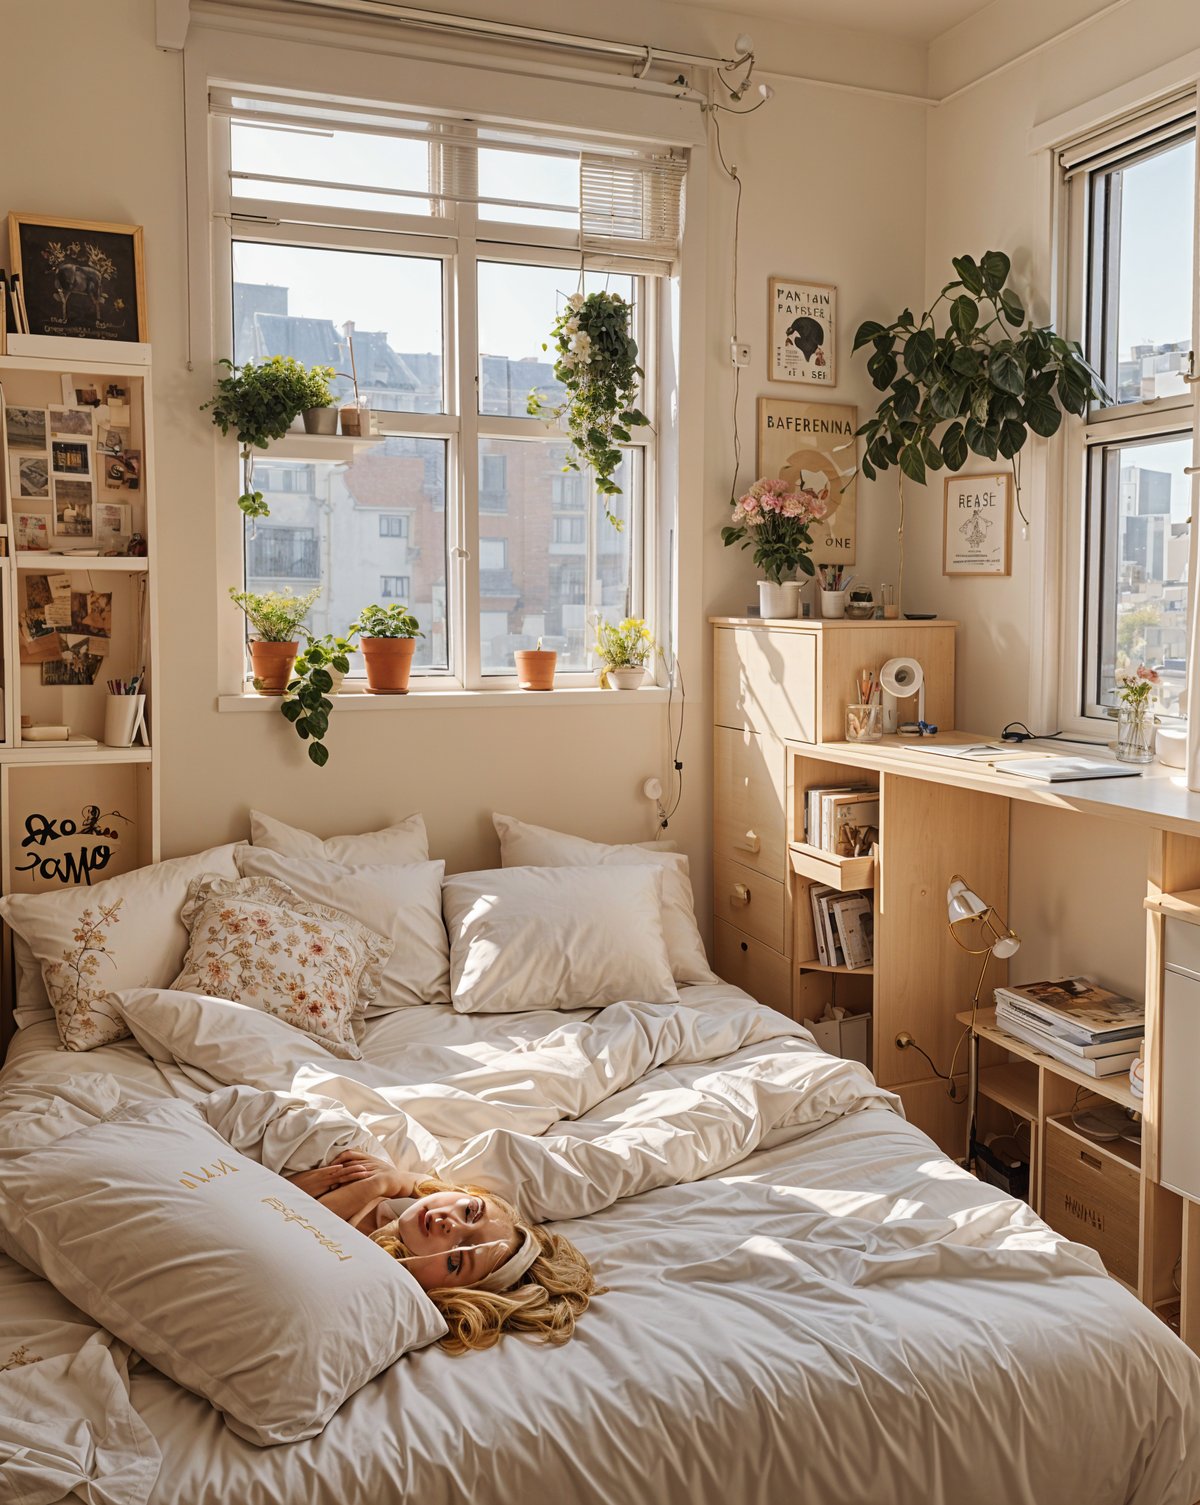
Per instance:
x=1156, y=797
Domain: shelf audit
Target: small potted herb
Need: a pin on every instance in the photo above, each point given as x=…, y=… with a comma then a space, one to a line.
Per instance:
x=388, y=640
x=535, y=667
x=275, y=616
x=624, y=649
x=259, y=402
x=319, y=672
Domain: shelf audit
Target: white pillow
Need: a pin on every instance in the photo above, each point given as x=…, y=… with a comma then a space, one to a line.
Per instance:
x=523, y=845
x=394, y=846
x=404, y=903
x=31, y=1002
x=256, y=941
x=230, y=1281
x=124, y=932
x=556, y=938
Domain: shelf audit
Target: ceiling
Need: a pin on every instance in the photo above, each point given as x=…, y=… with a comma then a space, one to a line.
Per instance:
x=918, y=20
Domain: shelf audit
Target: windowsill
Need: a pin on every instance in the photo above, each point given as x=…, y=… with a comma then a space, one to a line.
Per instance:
x=458, y=699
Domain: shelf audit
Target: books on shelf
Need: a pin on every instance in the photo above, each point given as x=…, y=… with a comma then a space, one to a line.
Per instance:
x=1075, y=1021
x=829, y=810
x=843, y=924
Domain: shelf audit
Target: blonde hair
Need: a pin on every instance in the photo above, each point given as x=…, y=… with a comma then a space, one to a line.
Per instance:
x=544, y=1304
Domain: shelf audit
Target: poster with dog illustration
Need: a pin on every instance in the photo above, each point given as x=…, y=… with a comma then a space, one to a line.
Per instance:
x=802, y=328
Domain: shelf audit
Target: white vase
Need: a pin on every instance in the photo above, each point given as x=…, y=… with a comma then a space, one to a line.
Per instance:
x=778, y=600
x=627, y=678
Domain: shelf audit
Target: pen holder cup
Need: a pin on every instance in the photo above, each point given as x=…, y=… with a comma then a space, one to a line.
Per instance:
x=123, y=715
x=864, y=723
x=833, y=604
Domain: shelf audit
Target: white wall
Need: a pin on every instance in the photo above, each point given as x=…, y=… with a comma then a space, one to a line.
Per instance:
x=804, y=161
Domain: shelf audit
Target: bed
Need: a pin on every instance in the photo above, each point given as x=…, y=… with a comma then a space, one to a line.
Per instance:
x=805, y=1298
x=838, y=1312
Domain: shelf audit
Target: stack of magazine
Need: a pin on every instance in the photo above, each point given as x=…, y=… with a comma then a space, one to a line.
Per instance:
x=1075, y=1021
x=844, y=926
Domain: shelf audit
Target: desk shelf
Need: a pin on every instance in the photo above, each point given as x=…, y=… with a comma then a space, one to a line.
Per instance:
x=1013, y=1085
x=845, y=873
x=1115, y=1088
x=816, y=966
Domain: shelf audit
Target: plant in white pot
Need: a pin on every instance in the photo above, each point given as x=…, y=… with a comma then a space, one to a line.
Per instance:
x=774, y=518
x=275, y=618
x=625, y=649
x=387, y=637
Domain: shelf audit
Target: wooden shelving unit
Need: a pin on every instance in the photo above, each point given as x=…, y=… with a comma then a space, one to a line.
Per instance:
x=819, y=866
x=816, y=966
x=1116, y=1089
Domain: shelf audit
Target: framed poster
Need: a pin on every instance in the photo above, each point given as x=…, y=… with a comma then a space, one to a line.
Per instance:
x=802, y=329
x=80, y=278
x=977, y=526
x=813, y=444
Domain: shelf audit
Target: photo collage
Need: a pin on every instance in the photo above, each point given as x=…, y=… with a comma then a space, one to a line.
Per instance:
x=65, y=630
x=72, y=469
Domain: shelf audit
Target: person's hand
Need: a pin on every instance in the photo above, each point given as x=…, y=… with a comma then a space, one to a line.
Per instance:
x=391, y=1181
x=341, y=1172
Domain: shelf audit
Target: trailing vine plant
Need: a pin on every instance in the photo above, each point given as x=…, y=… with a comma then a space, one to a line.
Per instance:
x=988, y=385
x=596, y=360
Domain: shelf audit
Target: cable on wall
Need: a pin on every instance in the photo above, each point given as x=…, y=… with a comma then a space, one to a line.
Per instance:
x=735, y=178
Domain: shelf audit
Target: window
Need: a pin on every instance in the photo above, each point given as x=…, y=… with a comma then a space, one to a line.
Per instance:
x=444, y=252
x=1132, y=205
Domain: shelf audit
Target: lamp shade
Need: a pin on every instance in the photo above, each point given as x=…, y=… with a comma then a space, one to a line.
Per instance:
x=962, y=903
x=1008, y=945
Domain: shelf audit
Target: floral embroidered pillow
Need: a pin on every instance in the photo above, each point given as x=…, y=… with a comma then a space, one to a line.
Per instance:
x=257, y=942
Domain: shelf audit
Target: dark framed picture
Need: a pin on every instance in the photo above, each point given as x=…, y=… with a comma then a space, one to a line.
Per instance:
x=80, y=278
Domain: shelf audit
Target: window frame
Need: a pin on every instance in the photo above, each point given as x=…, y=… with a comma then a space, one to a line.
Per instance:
x=460, y=240
x=1088, y=300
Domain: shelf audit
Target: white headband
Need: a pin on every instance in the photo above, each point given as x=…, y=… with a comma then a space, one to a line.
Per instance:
x=505, y=1276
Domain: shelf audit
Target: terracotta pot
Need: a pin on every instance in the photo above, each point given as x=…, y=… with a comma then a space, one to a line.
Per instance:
x=388, y=662
x=320, y=420
x=272, y=666
x=535, y=668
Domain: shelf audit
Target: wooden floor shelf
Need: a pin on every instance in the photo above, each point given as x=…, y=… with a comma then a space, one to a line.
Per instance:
x=1014, y=1085
x=1117, y=1088
x=816, y=966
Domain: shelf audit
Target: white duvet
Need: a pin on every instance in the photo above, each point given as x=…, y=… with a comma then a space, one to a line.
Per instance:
x=806, y=1300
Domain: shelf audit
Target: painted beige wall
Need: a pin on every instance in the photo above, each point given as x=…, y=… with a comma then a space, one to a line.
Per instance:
x=578, y=767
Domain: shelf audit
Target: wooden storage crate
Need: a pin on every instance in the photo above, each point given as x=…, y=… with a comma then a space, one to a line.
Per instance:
x=1091, y=1194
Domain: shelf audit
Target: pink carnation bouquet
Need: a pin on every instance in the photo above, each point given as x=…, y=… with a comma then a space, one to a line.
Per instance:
x=774, y=518
x=1135, y=689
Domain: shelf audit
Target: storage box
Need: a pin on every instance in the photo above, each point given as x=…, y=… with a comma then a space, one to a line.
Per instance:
x=848, y=1037
x=1090, y=1194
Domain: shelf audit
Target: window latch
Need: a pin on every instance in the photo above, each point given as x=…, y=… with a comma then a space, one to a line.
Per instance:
x=1189, y=375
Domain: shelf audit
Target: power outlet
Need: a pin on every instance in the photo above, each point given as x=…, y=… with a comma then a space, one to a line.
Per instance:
x=904, y=1040
x=739, y=352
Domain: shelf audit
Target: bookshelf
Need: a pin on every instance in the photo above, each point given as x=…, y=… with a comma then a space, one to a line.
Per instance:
x=77, y=812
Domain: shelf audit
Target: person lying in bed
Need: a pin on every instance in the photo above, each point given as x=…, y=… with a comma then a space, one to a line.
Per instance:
x=484, y=1268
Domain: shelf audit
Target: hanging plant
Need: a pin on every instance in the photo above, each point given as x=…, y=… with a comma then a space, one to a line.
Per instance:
x=259, y=403
x=596, y=361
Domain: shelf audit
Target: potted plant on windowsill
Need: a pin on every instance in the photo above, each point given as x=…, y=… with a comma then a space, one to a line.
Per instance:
x=276, y=617
x=535, y=667
x=319, y=672
x=259, y=402
x=624, y=649
x=387, y=637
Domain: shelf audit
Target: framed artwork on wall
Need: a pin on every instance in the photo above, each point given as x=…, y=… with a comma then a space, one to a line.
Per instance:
x=81, y=278
x=977, y=525
x=802, y=332
x=812, y=444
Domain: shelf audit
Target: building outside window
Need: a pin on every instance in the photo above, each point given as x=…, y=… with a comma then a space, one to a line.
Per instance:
x=395, y=587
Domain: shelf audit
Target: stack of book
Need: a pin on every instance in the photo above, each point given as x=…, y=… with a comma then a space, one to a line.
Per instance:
x=844, y=926
x=1073, y=1020
x=842, y=819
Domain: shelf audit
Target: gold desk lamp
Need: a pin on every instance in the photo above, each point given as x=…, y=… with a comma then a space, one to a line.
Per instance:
x=980, y=931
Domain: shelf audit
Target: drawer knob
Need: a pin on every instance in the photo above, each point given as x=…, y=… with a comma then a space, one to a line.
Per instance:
x=740, y=895
x=751, y=842
x=745, y=947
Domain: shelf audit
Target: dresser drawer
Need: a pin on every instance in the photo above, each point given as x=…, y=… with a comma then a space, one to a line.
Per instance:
x=751, y=801
x=767, y=681
x=1091, y=1196
x=745, y=962
x=751, y=902
x=1179, y=1115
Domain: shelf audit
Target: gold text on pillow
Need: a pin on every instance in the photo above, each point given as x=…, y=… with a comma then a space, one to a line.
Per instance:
x=290, y=1215
x=192, y=1179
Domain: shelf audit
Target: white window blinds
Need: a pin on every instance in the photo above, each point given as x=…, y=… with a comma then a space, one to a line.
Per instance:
x=1136, y=134
x=631, y=206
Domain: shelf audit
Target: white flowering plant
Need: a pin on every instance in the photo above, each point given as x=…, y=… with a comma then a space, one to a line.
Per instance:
x=774, y=518
x=596, y=360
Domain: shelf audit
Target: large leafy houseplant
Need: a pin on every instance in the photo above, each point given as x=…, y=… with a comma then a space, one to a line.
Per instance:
x=985, y=386
x=596, y=360
x=259, y=402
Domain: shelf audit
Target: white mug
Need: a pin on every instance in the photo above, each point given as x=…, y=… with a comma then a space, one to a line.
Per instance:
x=833, y=603
x=123, y=719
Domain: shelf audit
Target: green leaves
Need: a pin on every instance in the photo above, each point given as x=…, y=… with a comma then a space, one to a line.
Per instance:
x=867, y=331
x=994, y=269
x=969, y=274
x=954, y=447
x=964, y=315
x=1012, y=308
x=1041, y=414
x=919, y=350
x=1006, y=368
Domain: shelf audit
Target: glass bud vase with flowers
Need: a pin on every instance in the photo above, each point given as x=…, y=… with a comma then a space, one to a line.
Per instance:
x=1135, y=723
x=774, y=519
